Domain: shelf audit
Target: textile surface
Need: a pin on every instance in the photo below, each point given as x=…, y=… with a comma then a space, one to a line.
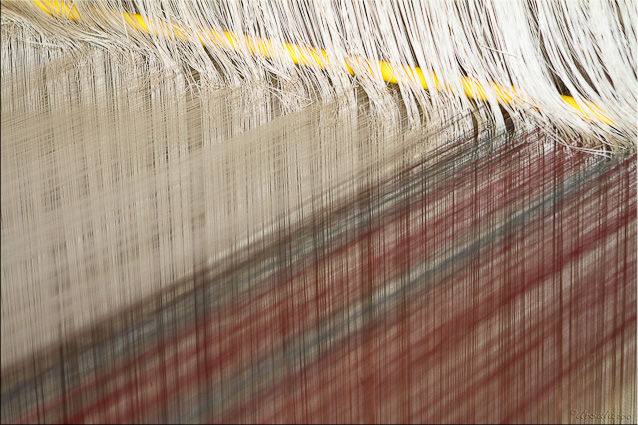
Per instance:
x=178, y=257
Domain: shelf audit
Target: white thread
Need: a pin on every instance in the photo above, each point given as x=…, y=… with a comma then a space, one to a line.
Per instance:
x=590, y=46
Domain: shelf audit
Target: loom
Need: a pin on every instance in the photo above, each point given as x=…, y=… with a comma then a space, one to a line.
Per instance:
x=320, y=211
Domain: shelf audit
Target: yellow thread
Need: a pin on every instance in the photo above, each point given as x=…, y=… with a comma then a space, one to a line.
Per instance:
x=589, y=110
x=55, y=7
x=309, y=56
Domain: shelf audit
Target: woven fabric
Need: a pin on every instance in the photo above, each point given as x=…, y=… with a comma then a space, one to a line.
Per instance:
x=494, y=281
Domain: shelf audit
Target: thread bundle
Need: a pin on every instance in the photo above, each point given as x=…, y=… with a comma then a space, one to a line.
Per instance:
x=520, y=56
